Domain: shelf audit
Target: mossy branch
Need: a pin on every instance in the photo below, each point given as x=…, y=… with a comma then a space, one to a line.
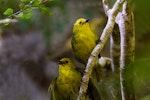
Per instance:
x=127, y=33
x=104, y=37
x=125, y=20
x=115, y=65
x=115, y=49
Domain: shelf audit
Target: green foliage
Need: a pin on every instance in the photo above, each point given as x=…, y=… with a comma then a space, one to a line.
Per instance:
x=9, y=11
x=26, y=8
x=44, y=9
x=24, y=16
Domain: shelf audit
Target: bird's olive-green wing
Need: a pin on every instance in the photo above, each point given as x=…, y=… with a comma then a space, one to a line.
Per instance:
x=53, y=92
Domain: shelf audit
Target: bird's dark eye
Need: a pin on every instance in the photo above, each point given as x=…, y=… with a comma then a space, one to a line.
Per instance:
x=80, y=22
x=66, y=61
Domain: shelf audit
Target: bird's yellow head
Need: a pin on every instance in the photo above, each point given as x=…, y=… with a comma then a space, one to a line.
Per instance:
x=66, y=63
x=80, y=25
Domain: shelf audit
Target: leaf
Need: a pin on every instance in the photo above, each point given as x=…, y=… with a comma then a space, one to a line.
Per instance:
x=29, y=9
x=6, y=24
x=22, y=6
x=36, y=3
x=19, y=15
x=24, y=16
x=44, y=9
x=9, y=11
x=27, y=16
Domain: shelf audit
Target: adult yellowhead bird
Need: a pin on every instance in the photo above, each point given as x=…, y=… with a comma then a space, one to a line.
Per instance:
x=83, y=42
x=66, y=85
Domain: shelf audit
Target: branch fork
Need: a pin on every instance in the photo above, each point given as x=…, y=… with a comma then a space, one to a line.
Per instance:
x=98, y=48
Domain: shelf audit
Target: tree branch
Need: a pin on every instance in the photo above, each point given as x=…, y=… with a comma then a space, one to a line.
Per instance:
x=105, y=6
x=115, y=56
x=104, y=37
x=8, y=20
x=115, y=49
x=127, y=33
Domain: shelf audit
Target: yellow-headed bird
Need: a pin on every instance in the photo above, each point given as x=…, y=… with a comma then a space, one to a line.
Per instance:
x=83, y=42
x=66, y=85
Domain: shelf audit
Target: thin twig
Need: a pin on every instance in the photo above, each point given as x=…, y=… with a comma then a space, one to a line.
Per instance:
x=105, y=6
x=8, y=20
x=104, y=37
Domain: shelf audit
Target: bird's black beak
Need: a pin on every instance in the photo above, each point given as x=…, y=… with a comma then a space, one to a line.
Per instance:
x=60, y=62
x=87, y=20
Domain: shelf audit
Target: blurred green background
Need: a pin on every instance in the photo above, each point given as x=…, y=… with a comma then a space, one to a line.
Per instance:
x=30, y=49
